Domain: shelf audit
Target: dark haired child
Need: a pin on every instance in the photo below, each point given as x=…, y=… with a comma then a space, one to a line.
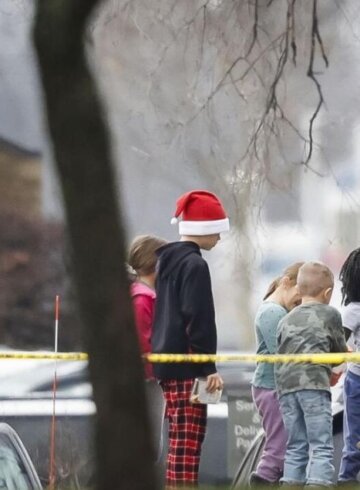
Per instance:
x=185, y=323
x=350, y=278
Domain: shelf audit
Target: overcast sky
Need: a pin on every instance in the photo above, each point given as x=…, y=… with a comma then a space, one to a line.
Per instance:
x=20, y=120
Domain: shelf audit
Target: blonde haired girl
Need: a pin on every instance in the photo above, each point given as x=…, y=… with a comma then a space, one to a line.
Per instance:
x=281, y=297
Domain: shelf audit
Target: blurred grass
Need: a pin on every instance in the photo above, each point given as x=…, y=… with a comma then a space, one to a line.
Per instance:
x=200, y=487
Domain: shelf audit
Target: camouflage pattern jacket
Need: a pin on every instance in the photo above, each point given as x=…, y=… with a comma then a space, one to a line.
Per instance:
x=309, y=328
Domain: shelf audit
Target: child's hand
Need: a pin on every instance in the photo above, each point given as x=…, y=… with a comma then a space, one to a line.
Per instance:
x=214, y=382
x=334, y=378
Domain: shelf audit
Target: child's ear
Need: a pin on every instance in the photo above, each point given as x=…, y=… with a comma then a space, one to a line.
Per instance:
x=285, y=281
x=328, y=293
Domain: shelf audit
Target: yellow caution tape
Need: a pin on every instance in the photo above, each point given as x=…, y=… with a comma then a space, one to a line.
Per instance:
x=61, y=356
x=333, y=358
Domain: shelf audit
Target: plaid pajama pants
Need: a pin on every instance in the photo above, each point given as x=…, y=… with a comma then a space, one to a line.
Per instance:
x=187, y=426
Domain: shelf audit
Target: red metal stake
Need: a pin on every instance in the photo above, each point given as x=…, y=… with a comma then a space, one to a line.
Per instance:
x=52, y=469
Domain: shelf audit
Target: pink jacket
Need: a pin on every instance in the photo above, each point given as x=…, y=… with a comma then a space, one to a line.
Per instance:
x=144, y=302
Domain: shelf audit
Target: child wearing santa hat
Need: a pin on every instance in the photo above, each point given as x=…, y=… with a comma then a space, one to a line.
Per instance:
x=185, y=323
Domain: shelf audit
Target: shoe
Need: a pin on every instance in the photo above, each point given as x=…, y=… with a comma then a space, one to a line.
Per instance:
x=257, y=481
x=348, y=483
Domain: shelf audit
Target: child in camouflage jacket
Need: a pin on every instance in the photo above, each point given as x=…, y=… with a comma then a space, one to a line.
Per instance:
x=304, y=388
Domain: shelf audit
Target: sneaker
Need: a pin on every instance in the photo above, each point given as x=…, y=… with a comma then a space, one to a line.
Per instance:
x=257, y=481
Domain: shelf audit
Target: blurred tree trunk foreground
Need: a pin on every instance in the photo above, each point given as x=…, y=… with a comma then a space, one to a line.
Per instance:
x=82, y=153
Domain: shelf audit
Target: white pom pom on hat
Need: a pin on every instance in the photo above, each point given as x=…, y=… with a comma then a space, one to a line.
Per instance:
x=202, y=214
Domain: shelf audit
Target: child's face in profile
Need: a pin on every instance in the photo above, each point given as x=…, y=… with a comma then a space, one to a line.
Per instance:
x=207, y=242
x=292, y=297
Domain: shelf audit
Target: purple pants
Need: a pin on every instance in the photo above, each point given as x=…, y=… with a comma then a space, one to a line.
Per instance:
x=271, y=464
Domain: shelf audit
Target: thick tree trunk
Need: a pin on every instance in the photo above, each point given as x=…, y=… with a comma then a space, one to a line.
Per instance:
x=82, y=153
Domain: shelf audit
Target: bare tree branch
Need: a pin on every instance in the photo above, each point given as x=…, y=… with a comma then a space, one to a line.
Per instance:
x=292, y=30
x=228, y=71
x=255, y=28
x=315, y=36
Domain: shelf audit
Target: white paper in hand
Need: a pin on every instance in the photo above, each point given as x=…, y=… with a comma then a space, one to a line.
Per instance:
x=200, y=395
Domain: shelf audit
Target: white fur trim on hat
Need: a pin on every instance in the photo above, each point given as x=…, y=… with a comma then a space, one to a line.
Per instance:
x=199, y=228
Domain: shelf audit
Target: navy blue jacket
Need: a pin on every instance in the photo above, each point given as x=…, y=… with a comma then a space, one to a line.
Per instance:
x=184, y=312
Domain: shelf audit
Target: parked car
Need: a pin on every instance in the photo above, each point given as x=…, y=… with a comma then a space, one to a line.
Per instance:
x=26, y=404
x=252, y=457
x=17, y=471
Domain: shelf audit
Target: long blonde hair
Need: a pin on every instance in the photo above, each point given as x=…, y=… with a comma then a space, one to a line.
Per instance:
x=291, y=272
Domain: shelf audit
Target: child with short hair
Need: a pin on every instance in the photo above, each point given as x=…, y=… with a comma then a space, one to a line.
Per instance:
x=185, y=323
x=350, y=278
x=304, y=388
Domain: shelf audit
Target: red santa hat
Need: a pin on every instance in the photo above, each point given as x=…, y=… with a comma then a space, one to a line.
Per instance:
x=202, y=214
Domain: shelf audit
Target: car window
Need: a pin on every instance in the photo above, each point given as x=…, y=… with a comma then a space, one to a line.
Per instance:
x=12, y=472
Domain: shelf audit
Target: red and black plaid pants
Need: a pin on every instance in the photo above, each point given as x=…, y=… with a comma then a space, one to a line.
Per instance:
x=187, y=426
